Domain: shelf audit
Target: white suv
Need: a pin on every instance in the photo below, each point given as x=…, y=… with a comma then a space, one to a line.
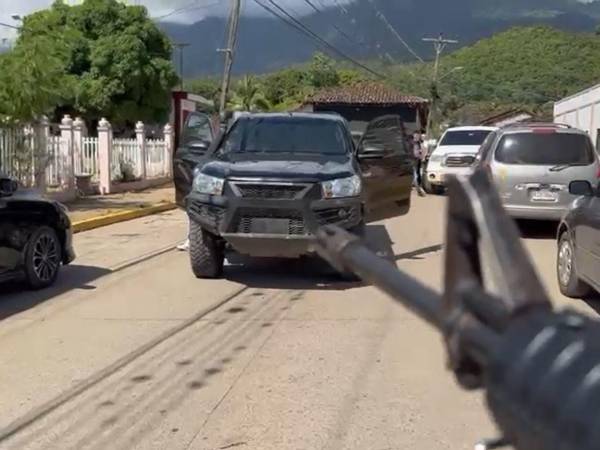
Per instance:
x=454, y=155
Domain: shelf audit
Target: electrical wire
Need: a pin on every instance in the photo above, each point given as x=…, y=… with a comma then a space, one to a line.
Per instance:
x=290, y=20
x=392, y=30
x=188, y=7
x=338, y=29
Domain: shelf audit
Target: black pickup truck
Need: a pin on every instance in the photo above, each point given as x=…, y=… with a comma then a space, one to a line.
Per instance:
x=266, y=184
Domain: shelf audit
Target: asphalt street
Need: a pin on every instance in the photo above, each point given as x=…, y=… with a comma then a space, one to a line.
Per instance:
x=129, y=350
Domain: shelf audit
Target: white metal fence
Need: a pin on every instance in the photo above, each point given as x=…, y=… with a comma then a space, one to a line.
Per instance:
x=38, y=159
x=87, y=163
x=54, y=164
x=156, y=163
x=126, y=159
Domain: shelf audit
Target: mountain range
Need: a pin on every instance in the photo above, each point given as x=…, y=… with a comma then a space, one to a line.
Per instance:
x=266, y=43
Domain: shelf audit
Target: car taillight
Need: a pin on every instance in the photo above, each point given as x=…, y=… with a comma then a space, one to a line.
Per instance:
x=598, y=173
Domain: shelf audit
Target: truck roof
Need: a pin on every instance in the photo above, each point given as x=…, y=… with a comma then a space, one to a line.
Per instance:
x=305, y=115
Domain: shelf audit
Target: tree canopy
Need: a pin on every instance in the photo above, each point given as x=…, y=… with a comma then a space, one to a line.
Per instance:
x=112, y=57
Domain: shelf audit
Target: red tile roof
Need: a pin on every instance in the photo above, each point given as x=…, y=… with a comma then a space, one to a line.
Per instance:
x=365, y=93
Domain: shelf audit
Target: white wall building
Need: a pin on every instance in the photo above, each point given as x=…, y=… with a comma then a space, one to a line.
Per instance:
x=581, y=110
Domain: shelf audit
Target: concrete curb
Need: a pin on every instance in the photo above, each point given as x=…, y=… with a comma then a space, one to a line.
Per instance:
x=121, y=216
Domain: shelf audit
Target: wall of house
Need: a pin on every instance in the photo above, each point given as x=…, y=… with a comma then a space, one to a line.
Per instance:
x=360, y=116
x=581, y=111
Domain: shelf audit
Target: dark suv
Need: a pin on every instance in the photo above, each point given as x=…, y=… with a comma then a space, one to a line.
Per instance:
x=264, y=186
x=35, y=236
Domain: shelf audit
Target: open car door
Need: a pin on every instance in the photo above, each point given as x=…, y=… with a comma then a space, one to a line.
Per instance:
x=387, y=168
x=196, y=138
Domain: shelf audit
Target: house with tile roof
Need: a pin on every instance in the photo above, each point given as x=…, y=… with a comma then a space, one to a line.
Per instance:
x=362, y=102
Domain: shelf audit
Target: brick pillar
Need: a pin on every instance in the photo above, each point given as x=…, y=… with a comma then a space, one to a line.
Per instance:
x=66, y=153
x=105, y=155
x=169, y=150
x=140, y=135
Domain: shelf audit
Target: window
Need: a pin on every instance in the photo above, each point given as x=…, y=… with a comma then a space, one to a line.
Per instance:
x=547, y=148
x=486, y=147
x=465, y=137
x=197, y=128
x=287, y=135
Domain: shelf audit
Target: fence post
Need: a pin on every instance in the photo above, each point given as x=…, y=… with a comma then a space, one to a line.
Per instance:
x=66, y=153
x=42, y=155
x=79, y=132
x=140, y=135
x=169, y=144
x=105, y=155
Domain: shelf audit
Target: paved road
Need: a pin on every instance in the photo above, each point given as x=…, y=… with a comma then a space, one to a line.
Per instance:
x=277, y=356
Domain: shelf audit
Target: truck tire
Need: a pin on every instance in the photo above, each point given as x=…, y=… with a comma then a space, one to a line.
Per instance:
x=43, y=257
x=207, y=255
x=568, y=279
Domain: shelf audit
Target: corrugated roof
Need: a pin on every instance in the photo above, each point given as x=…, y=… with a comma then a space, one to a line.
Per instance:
x=365, y=93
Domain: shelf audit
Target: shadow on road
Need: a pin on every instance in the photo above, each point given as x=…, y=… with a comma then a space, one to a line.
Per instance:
x=419, y=253
x=15, y=297
x=305, y=273
x=536, y=229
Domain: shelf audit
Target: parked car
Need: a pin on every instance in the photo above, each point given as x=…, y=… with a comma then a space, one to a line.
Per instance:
x=533, y=164
x=35, y=236
x=578, y=259
x=454, y=155
x=270, y=180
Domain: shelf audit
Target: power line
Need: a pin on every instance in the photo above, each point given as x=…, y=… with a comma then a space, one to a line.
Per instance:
x=338, y=29
x=299, y=26
x=188, y=7
x=392, y=30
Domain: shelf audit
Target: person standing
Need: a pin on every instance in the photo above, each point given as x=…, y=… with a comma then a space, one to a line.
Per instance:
x=419, y=154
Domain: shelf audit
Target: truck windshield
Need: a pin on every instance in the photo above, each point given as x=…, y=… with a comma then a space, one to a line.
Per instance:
x=287, y=135
x=545, y=149
x=465, y=137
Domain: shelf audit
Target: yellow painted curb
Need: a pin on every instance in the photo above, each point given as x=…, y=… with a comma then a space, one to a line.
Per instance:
x=121, y=216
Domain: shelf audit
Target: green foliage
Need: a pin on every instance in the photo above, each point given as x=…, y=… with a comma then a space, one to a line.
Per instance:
x=285, y=86
x=322, y=72
x=118, y=60
x=32, y=81
x=248, y=96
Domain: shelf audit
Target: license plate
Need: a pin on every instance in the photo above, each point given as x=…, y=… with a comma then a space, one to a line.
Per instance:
x=270, y=226
x=544, y=195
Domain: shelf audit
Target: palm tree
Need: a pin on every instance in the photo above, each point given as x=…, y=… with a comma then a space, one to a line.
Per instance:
x=248, y=97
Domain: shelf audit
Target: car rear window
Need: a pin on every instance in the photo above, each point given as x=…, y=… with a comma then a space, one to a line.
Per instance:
x=542, y=149
x=465, y=137
x=287, y=135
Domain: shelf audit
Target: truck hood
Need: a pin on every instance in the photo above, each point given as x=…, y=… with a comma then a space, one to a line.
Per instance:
x=456, y=149
x=281, y=166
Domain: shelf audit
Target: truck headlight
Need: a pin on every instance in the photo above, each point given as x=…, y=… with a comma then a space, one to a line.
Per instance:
x=205, y=184
x=342, y=187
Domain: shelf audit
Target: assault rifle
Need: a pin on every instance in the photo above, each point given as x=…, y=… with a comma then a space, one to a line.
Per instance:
x=540, y=369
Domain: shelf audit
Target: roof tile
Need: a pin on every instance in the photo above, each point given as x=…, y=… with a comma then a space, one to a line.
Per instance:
x=365, y=93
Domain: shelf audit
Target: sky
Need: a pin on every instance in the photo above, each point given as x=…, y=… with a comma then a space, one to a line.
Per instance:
x=183, y=11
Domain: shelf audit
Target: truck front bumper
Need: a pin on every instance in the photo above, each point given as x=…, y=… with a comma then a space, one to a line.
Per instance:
x=271, y=228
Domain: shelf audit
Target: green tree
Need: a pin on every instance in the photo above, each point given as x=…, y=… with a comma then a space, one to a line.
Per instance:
x=322, y=72
x=119, y=59
x=288, y=85
x=32, y=81
x=248, y=96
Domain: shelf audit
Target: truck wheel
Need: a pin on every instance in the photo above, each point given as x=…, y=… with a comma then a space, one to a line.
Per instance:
x=43, y=257
x=568, y=280
x=206, y=253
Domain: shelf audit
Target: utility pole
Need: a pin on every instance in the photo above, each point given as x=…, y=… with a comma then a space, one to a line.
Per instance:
x=439, y=45
x=181, y=47
x=234, y=20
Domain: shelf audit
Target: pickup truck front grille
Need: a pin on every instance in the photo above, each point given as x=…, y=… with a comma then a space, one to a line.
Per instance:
x=460, y=161
x=290, y=222
x=270, y=191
